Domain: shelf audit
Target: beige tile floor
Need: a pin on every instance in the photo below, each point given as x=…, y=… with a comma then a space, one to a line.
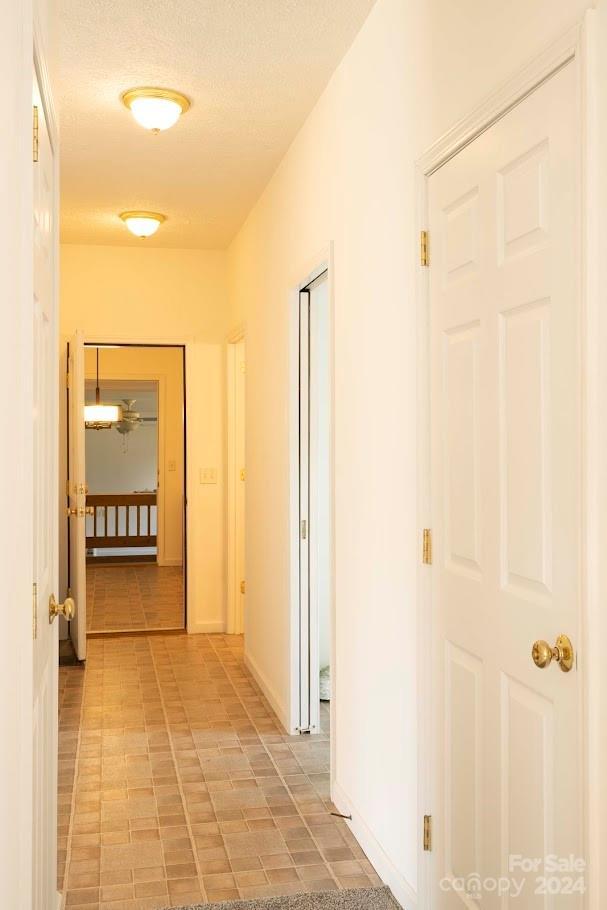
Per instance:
x=125, y=598
x=177, y=785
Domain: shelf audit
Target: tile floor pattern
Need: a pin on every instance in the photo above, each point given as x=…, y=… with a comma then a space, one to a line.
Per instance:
x=177, y=785
x=125, y=598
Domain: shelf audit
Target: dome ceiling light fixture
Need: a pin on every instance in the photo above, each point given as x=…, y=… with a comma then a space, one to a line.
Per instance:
x=155, y=109
x=142, y=224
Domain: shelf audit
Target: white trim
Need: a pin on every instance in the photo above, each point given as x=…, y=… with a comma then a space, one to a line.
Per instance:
x=190, y=479
x=497, y=104
x=572, y=46
x=312, y=269
x=268, y=691
x=403, y=891
x=594, y=345
x=207, y=626
x=234, y=619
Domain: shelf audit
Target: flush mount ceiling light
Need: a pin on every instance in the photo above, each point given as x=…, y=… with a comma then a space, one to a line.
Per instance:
x=143, y=224
x=155, y=109
x=100, y=416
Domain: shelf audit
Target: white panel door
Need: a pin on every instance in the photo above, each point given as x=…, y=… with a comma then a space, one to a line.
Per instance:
x=77, y=493
x=45, y=422
x=505, y=424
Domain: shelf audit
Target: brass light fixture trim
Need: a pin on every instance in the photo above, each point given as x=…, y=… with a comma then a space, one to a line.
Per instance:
x=154, y=216
x=155, y=109
x=151, y=91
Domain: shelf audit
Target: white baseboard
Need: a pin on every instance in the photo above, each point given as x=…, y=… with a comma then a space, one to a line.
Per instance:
x=385, y=868
x=205, y=627
x=267, y=690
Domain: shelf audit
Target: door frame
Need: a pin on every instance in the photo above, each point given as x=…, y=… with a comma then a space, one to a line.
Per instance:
x=187, y=345
x=576, y=48
x=234, y=624
x=323, y=262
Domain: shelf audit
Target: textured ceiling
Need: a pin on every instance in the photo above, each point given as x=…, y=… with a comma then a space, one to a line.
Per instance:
x=253, y=70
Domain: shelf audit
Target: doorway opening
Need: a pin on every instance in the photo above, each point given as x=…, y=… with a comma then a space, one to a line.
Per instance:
x=128, y=551
x=314, y=498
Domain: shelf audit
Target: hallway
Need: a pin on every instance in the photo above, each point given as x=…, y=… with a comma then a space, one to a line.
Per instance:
x=124, y=598
x=176, y=784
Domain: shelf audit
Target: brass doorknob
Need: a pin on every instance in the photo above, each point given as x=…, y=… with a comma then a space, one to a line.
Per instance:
x=543, y=654
x=67, y=608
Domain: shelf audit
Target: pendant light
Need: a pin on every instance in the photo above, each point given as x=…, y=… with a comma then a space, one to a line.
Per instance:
x=100, y=416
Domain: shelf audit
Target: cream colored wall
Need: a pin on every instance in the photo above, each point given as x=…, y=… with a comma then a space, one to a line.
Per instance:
x=348, y=183
x=130, y=294
x=143, y=292
x=166, y=366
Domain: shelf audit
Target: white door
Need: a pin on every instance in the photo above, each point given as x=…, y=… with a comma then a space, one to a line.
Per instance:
x=239, y=433
x=505, y=423
x=45, y=574
x=314, y=495
x=77, y=493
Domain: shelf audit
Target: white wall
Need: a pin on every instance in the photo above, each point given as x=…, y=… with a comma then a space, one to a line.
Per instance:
x=348, y=181
x=110, y=468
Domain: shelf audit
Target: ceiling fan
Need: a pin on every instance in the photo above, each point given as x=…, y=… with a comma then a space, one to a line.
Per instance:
x=131, y=419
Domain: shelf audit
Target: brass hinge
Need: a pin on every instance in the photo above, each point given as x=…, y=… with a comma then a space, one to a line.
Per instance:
x=304, y=529
x=34, y=610
x=243, y=366
x=242, y=587
x=35, y=134
x=424, y=251
x=427, y=832
x=427, y=547
x=243, y=474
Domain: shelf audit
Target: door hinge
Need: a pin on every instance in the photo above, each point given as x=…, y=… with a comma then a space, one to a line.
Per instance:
x=427, y=547
x=424, y=251
x=35, y=134
x=304, y=529
x=34, y=611
x=243, y=587
x=243, y=474
x=427, y=832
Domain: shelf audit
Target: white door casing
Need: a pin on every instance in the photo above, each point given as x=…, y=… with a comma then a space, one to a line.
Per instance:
x=45, y=497
x=236, y=389
x=314, y=459
x=77, y=492
x=504, y=284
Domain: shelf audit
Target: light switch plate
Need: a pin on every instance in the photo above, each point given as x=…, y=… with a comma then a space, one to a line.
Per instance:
x=208, y=475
